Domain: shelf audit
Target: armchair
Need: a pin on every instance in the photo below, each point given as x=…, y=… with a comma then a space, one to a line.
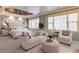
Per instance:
x=65, y=37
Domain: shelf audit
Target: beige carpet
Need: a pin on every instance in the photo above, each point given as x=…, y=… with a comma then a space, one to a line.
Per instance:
x=63, y=48
x=9, y=45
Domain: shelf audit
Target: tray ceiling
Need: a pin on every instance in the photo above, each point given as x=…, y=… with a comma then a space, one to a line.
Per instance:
x=36, y=10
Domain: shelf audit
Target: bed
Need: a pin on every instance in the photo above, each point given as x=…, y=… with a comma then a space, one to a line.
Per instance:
x=16, y=32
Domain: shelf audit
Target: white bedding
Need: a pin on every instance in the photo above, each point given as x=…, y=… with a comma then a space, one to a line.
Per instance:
x=18, y=31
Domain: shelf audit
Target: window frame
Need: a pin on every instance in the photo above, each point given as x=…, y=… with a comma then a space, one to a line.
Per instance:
x=67, y=21
x=34, y=23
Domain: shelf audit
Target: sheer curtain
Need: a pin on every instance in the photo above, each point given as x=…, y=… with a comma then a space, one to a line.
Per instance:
x=72, y=20
x=60, y=22
x=50, y=23
x=34, y=23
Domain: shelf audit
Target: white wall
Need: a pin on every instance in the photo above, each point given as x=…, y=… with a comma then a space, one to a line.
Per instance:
x=14, y=22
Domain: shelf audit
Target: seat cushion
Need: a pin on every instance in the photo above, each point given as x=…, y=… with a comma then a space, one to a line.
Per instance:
x=33, y=40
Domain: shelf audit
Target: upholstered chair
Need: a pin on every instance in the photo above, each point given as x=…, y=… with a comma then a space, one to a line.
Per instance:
x=65, y=37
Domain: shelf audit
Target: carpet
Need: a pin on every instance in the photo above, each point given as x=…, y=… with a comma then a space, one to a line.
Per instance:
x=10, y=45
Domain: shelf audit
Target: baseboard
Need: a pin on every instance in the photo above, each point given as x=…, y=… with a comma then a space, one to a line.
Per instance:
x=77, y=42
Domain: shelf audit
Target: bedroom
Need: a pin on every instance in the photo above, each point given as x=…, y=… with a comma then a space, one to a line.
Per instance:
x=19, y=25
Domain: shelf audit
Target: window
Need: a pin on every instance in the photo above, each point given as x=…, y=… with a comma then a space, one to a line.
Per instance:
x=60, y=22
x=37, y=23
x=50, y=22
x=64, y=20
x=30, y=21
x=34, y=23
x=72, y=20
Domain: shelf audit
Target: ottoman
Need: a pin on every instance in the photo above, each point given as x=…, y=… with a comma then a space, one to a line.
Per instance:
x=50, y=47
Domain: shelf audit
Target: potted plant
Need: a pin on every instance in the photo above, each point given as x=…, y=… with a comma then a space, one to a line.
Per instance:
x=41, y=25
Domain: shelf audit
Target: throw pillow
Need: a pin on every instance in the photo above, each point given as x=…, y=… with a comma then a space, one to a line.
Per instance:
x=26, y=35
x=29, y=35
x=65, y=33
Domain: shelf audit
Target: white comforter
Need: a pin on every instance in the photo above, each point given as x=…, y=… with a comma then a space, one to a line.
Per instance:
x=17, y=32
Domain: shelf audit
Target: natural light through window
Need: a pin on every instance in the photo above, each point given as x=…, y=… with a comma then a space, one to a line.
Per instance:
x=63, y=22
x=60, y=22
x=34, y=23
x=50, y=22
x=72, y=20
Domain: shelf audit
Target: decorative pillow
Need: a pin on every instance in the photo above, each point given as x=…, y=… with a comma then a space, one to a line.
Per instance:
x=26, y=35
x=37, y=34
x=29, y=35
x=65, y=33
x=41, y=33
x=44, y=33
x=33, y=34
